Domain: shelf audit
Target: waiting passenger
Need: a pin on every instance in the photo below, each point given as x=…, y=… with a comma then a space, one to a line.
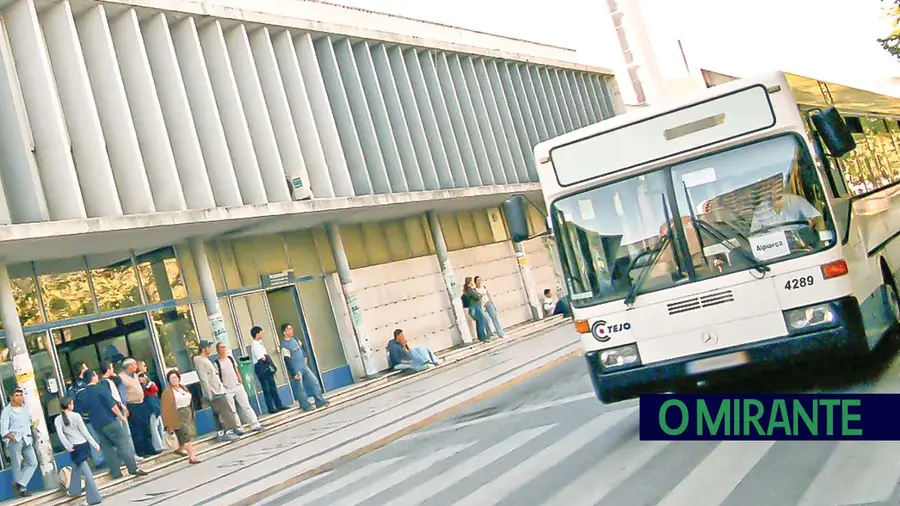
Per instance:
x=15, y=426
x=139, y=412
x=216, y=393
x=264, y=368
x=487, y=301
x=151, y=399
x=75, y=438
x=178, y=415
x=552, y=308
x=109, y=419
x=234, y=384
x=402, y=358
x=78, y=388
x=303, y=382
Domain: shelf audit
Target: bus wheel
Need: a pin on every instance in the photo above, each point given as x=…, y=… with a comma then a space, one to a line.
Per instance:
x=893, y=303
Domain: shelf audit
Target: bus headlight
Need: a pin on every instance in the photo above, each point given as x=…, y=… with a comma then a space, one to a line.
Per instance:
x=620, y=357
x=805, y=318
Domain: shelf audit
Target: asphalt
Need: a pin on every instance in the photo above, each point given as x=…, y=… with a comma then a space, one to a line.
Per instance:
x=548, y=441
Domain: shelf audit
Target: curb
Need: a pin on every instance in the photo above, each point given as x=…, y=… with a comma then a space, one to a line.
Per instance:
x=453, y=358
x=257, y=497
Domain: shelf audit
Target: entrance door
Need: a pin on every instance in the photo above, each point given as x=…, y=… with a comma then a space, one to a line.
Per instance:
x=284, y=303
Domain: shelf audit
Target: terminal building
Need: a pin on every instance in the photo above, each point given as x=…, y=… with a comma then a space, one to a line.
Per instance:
x=171, y=176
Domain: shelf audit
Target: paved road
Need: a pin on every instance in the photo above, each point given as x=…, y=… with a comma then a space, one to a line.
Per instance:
x=548, y=442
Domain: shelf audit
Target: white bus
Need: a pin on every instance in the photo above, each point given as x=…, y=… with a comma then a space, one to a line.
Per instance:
x=754, y=223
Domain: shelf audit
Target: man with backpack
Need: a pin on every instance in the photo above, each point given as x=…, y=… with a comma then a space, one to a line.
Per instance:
x=238, y=399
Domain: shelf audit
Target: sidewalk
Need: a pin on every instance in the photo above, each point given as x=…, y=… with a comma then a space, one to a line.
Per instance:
x=359, y=416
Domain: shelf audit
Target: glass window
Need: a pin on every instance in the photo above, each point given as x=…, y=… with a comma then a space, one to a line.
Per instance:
x=25, y=293
x=737, y=209
x=205, y=330
x=251, y=310
x=115, y=281
x=161, y=277
x=65, y=288
x=177, y=337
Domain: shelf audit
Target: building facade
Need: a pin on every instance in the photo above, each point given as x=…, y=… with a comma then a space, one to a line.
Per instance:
x=171, y=176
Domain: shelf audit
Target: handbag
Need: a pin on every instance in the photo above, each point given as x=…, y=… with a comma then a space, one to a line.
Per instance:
x=270, y=365
x=172, y=440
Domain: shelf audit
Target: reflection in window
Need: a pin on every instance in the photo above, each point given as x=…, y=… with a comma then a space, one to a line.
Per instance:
x=177, y=337
x=161, y=276
x=115, y=281
x=27, y=302
x=66, y=295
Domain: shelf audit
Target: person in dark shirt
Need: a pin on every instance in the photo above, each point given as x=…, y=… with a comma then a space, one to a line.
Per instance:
x=79, y=387
x=109, y=422
x=402, y=358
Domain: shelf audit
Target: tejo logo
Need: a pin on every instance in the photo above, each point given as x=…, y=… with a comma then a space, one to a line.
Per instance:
x=603, y=332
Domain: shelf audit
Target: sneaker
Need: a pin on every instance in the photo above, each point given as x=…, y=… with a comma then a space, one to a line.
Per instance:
x=239, y=432
x=139, y=472
x=258, y=428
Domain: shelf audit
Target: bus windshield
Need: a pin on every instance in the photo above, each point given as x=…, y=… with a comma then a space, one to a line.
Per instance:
x=722, y=213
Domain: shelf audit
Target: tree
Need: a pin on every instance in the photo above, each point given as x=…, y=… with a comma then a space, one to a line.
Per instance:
x=891, y=43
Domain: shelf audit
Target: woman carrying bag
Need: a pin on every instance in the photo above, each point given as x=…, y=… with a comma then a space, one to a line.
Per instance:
x=178, y=415
x=74, y=436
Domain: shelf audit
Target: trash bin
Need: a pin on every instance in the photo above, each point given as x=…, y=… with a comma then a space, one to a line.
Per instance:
x=249, y=377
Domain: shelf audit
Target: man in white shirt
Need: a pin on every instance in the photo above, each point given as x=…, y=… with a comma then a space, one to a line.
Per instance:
x=234, y=384
x=265, y=369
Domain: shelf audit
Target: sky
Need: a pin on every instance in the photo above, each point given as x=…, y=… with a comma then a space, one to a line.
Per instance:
x=729, y=36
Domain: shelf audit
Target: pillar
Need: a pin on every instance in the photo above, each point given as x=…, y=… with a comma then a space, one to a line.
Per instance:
x=208, y=291
x=24, y=371
x=525, y=271
x=343, y=270
x=457, y=313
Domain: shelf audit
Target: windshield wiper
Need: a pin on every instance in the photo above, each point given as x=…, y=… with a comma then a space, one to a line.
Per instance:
x=742, y=251
x=642, y=276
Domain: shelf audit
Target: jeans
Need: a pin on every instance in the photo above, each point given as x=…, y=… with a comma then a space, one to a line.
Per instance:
x=269, y=389
x=96, y=455
x=139, y=423
x=492, y=312
x=240, y=405
x=117, y=448
x=421, y=358
x=23, y=461
x=157, y=433
x=90, y=486
x=305, y=387
x=481, y=324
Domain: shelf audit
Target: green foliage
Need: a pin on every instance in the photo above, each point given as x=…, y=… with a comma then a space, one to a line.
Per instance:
x=891, y=43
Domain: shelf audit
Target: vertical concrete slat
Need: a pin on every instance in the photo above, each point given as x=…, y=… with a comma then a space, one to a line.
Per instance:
x=567, y=101
x=20, y=175
x=457, y=120
x=548, y=97
x=79, y=111
x=558, y=99
x=115, y=113
x=207, y=121
x=256, y=114
x=507, y=121
x=177, y=115
x=442, y=117
x=363, y=122
x=578, y=99
x=470, y=118
x=154, y=147
x=305, y=123
x=376, y=99
x=493, y=114
x=604, y=95
x=276, y=101
x=230, y=107
x=400, y=126
x=590, y=100
x=534, y=91
x=479, y=107
x=339, y=106
x=429, y=118
x=414, y=119
x=525, y=130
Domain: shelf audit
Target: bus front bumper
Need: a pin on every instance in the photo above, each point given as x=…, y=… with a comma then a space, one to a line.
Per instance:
x=616, y=385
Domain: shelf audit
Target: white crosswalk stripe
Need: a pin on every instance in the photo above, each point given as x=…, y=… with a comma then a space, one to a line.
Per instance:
x=857, y=472
x=340, y=483
x=468, y=468
x=495, y=491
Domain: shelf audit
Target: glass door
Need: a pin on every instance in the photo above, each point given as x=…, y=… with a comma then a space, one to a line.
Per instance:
x=253, y=310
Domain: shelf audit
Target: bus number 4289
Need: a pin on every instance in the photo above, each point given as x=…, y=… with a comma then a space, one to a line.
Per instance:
x=801, y=282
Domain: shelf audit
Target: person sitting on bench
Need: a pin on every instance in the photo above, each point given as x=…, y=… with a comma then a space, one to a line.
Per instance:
x=402, y=358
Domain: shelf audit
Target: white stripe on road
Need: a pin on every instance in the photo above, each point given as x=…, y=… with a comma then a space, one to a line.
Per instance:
x=408, y=472
x=711, y=482
x=505, y=414
x=857, y=472
x=319, y=477
x=613, y=469
x=465, y=469
x=349, y=479
x=495, y=491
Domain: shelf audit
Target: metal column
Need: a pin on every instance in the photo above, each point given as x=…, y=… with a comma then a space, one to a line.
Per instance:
x=456, y=309
x=343, y=270
x=24, y=371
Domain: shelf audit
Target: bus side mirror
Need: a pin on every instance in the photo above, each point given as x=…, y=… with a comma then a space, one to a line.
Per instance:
x=834, y=132
x=516, y=210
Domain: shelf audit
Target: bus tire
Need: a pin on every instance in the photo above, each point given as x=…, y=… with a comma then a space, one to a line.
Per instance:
x=892, y=297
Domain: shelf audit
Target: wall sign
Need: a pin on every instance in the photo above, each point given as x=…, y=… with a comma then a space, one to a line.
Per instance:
x=219, y=333
x=282, y=278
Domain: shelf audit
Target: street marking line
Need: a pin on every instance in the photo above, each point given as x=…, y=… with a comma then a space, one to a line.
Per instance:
x=505, y=414
x=315, y=479
x=395, y=478
x=596, y=483
x=257, y=497
x=346, y=480
x=494, y=492
x=857, y=472
x=465, y=469
x=713, y=480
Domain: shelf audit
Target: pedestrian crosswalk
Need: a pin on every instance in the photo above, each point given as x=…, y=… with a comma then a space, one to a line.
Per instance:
x=601, y=462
